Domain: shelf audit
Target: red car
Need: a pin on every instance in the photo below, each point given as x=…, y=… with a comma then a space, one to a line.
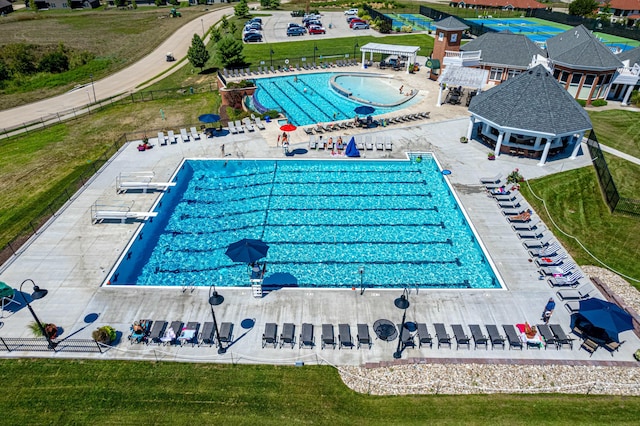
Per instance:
x=316, y=29
x=356, y=20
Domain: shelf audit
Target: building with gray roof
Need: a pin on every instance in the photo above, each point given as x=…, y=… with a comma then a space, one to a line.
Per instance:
x=529, y=115
x=628, y=77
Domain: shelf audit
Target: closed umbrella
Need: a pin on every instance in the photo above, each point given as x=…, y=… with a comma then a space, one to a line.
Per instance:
x=247, y=250
x=606, y=315
x=352, y=150
x=364, y=110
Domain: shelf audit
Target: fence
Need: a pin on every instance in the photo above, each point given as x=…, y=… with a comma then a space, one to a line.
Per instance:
x=40, y=344
x=612, y=197
x=477, y=29
x=602, y=26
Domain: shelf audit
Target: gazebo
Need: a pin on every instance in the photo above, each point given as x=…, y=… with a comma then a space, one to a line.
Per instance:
x=529, y=115
x=410, y=52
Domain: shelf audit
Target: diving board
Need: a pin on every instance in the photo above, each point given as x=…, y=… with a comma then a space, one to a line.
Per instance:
x=141, y=181
x=100, y=213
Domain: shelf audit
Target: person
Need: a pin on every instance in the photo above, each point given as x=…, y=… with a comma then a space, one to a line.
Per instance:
x=278, y=141
x=137, y=328
x=222, y=150
x=329, y=143
x=401, y=88
x=295, y=79
x=339, y=141
x=356, y=120
x=305, y=90
x=335, y=115
x=548, y=310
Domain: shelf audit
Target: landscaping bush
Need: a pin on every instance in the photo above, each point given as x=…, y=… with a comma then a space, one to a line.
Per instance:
x=599, y=103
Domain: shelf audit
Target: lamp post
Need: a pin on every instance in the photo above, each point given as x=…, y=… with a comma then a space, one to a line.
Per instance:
x=355, y=47
x=202, y=22
x=401, y=302
x=315, y=49
x=361, y=272
x=216, y=299
x=38, y=293
x=94, y=89
x=271, y=52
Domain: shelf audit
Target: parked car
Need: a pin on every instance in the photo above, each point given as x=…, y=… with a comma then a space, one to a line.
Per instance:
x=294, y=24
x=258, y=20
x=351, y=12
x=311, y=17
x=316, y=29
x=360, y=26
x=296, y=31
x=357, y=21
x=313, y=22
x=351, y=18
x=251, y=37
x=253, y=26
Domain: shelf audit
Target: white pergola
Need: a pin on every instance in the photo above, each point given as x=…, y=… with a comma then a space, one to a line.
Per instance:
x=410, y=52
x=462, y=76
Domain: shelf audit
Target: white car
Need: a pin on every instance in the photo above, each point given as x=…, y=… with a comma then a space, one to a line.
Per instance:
x=351, y=12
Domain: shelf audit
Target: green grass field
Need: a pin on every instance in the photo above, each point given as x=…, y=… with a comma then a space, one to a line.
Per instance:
x=138, y=393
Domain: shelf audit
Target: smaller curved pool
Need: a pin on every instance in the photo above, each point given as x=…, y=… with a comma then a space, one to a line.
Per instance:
x=378, y=90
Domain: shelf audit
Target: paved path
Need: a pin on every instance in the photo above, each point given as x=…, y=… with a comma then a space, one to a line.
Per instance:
x=620, y=154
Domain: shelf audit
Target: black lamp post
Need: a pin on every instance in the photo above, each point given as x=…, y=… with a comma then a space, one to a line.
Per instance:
x=401, y=302
x=315, y=49
x=271, y=52
x=94, y=88
x=361, y=272
x=38, y=293
x=216, y=299
x=355, y=46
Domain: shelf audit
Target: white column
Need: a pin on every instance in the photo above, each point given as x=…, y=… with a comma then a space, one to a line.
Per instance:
x=536, y=145
x=472, y=121
x=440, y=95
x=499, y=144
x=362, y=61
x=625, y=101
x=576, y=148
x=545, y=153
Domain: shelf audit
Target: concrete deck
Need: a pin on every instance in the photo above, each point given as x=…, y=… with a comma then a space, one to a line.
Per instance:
x=71, y=258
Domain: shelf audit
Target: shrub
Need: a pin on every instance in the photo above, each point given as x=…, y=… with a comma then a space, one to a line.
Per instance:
x=105, y=334
x=582, y=102
x=599, y=103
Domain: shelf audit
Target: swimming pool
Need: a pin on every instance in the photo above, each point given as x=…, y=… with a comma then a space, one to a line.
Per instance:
x=309, y=98
x=323, y=220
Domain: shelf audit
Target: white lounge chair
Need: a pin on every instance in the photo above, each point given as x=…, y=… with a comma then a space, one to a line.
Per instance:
x=194, y=134
x=359, y=143
x=534, y=233
x=162, y=140
x=488, y=180
x=571, y=280
x=313, y=144
x=259, y=123
x=379, y=143
x=561, y=270
x=367, y=143
x=578, y=294
x=387, y=143
x=247, y=123
x=172, y=137
x=184, y=135
x=232, y=128
x=238, y=126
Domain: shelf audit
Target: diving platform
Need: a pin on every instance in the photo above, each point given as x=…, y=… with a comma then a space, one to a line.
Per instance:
x=100, y=213
x=140, y=181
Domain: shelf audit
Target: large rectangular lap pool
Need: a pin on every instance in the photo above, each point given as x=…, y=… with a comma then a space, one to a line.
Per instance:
x=331, y=223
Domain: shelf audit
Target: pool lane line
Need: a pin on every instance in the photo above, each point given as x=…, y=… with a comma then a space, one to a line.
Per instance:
x=310, y=89
x=266, y=211
x=331, y=105
x=294, y=103
x=313, y=243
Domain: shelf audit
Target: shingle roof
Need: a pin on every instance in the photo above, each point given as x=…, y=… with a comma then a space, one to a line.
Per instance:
x=578, y=48
x=534, y=101
x=505, y=48
x=450, y=24
x=633, y=55
x=623, y=4
x=517, y=4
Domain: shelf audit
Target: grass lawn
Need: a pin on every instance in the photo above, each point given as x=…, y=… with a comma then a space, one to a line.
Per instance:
x=119, y=392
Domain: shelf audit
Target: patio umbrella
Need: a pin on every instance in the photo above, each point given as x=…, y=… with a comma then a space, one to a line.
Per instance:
x=209, y=118
x=364, y=110
x=6, y=290
x=606, y=315
x=247, y=250
x=288, y=127
x=352, y=150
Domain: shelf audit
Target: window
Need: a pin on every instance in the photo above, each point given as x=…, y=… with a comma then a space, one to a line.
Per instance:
x=496, y=74
x=513, y=73
x=585, y=90
x=440, y=36
x=575, y=83
x=564, y=76
x=454, y=37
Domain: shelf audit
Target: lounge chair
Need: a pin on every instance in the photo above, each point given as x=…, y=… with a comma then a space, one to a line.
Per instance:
x=528, y=226
x=327, y=337
x=226, y=334
x=572, y=306
x=536, y=233
x=172, y=137
x=308, y=130
x=363, y=336
x=510, y=204
x=571, y=280
x=171, y=334
x=247, y=124
x=359, y=143
x=157, y=331
x=550, y=260
x=561, y=337
x=379, y=143
x=194, y=134
x=388, y=145
x=523, y=217
x=287, y=337
x=405, y=337
x=139, y=331
x=367, y=143
x=344, y=336
x=270, y=337
x=547, y=335
x=495, y=336
x=313, y=143
x=189, y=334
x=461, y=337
x=512, y=336
x=232, y=128
x=612, y=346
x=306, y=336
x=259, y=123
x=504, y=197
x=424, y=338
x=207, y=336
x=442, y=335
x=238, y=126
x=561, y=270
x=589, y=346
x=542, y=242
x=514, y=212
x=551, y=249
x=578, y=294
x=184, y=135
x=162, y=140
x=478, y=336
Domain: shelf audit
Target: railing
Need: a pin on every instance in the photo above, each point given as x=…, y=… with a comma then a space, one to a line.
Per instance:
x=476, y=54
x=40, y=344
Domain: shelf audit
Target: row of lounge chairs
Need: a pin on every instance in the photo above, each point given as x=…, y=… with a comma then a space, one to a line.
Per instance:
x=363, y=142
x=177, y=333
x=239, y=126
x=363, y=123
x=262, y=70
x=172, y=138
x=307, y=339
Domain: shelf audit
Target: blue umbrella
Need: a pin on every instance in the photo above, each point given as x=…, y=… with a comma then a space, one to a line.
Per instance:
x=247, y=250
x=352, y=150
x=364, y=110
x=209, y=118
x=606, y=315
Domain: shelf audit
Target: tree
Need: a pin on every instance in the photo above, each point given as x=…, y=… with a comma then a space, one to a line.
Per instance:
x=230, y=52
x=270, y=4
x=583, y=7
x=5, y=74
x=54, y=62
x=242, y=9
x=198, y=54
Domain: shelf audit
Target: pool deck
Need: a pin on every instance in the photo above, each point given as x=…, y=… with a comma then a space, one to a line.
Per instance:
x=71, y=258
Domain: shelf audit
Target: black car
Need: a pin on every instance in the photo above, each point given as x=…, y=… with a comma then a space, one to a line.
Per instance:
x=296, y=31
x=250, y=37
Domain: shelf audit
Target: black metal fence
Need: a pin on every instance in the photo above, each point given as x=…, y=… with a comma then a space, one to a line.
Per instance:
x=612, y=196
x=603, y=26
x=40, y=344
x=477, y=29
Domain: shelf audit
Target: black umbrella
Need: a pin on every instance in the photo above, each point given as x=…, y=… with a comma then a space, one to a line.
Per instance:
x=364, y=110
x=247, y=250
x=606, y=315
x=209, y=118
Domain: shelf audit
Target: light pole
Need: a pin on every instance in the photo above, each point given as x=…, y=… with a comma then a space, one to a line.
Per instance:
x=202, y=22
x=94, y=89
x=315, y=49
x=216, y=299
x=401, y=302
x=38, y=293
x=361, y=272
x=271, y=52
x=355, y=46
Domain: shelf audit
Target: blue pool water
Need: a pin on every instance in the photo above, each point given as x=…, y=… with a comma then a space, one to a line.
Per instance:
x=311, y=99
x=323, y=221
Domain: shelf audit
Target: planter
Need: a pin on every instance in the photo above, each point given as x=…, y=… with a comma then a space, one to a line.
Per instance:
x=491, y=158
x=636, y=355
x=464, y=139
